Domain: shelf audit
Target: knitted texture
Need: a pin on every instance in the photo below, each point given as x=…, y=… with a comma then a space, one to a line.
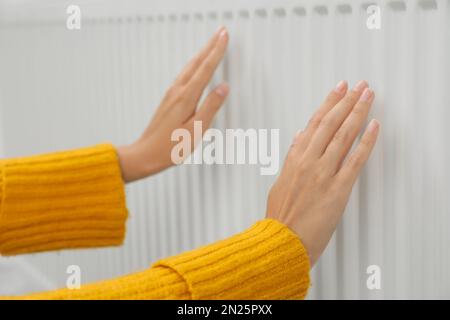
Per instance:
x=267, y=261
x=155, y=283
x=76, y=199
x=72, y=199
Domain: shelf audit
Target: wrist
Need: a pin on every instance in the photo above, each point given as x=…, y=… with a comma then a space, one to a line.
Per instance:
x=131, y=163
x=303, y=235
x=137, y=160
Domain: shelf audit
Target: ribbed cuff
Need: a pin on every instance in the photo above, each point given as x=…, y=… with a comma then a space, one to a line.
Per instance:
x=72, y=199
x=267, y=261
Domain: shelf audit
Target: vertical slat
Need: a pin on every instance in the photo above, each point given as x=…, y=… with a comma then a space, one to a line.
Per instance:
x=321, y=43
x=397, y=216
x=444, y=220
x=428, y=23
x=345, y=29
x=370, y=206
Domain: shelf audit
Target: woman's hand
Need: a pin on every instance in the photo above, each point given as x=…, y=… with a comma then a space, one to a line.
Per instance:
x=151, y=153
x=314, y=186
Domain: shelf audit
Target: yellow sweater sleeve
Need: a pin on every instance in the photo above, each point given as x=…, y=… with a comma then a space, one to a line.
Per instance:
x=76, y=199
x=72, y=199
x=266, y=261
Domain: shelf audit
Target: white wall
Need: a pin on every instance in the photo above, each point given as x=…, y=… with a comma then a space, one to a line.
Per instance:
x=64, y=89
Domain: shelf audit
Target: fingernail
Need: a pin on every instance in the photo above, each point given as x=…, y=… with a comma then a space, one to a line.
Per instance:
x=219, y=29
x=360, y=85
x=340, y=87
x=373, y=126
x=366, y=95
x=222, y=90
x=223, y=33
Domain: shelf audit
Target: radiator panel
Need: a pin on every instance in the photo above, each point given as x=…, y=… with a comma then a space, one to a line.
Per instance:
x=64, y=89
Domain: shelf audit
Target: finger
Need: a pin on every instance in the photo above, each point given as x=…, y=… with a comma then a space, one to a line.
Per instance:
x=186, y=74
x=353, y=165
x=333, y=120
x=331, y=100
x=212, y=104
x=206, y=70
x=302, y=138
x=347, y=133
x=197, y=60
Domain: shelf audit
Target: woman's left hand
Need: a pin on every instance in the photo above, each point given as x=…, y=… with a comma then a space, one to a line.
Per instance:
x=151, y=153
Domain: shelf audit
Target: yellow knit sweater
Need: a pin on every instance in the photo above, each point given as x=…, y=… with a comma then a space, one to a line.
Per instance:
x=76, y=199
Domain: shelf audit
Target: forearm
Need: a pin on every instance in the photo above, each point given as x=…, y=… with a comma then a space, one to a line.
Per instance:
x=72, y=199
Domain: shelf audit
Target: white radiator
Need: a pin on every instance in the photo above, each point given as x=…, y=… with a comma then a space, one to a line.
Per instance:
x=63, y=89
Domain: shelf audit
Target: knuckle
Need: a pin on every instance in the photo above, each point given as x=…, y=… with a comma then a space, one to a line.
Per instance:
x=172, y=91
x=299, y=136
x=294, y=160
x=366, y=142
x=175, y=95
x=297, y=141
x=314, y=122
x=196, y=60
x=359, y=110
x=328, y=122
x=341, y=136
x=356, y=160
x=303, y=166
x=320, y=172
x=209, y=66
x=333, y=98
x=182, y=95
x=324, y=168
x=293, y=151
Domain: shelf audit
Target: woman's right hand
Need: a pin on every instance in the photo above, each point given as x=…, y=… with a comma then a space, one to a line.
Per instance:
x=315, y=183
x=152, y=152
